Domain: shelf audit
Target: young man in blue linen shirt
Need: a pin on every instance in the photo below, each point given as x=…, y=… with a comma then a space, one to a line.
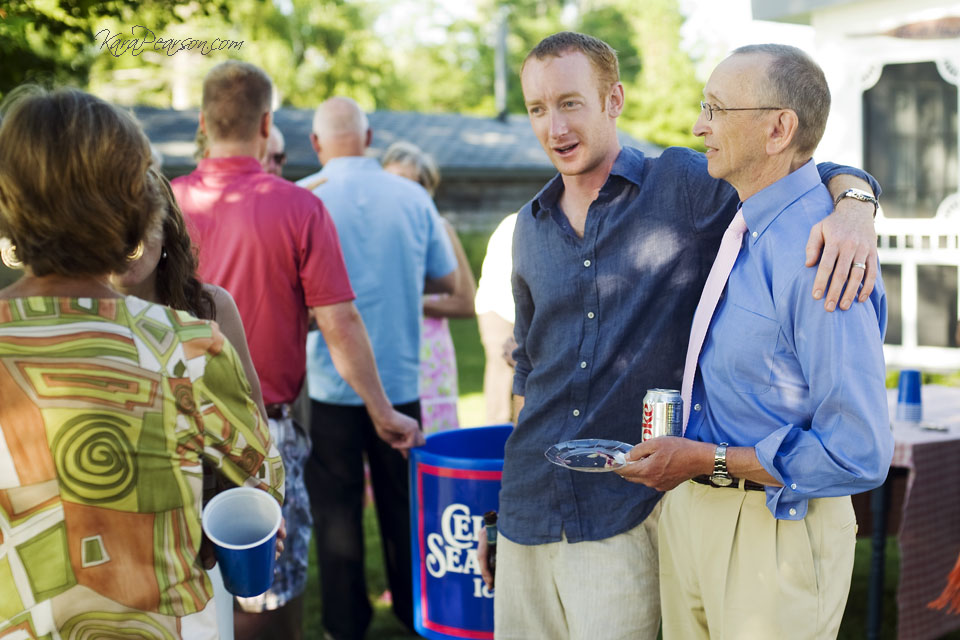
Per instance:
x=609, y=261
x=789, y=410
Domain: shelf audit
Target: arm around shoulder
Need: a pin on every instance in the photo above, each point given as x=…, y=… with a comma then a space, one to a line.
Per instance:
x=845, y=242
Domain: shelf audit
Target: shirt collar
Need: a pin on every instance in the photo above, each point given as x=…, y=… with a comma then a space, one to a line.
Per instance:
x=347, y=164
x=231, y=164
x=628, y=165
x=548, y=196
x=763, y=207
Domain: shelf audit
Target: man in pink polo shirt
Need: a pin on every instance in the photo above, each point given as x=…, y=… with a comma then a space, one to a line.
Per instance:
x=272, y=245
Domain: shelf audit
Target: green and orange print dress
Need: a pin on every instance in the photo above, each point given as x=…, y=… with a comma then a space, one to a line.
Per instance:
x=108, y=409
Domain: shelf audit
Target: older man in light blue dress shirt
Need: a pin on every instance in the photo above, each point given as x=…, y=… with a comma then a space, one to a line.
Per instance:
x=788, y=410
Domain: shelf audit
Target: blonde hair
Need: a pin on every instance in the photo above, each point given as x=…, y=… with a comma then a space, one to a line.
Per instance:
x=76, y=196
x=409, y=154
x=601, y=56
x=235, y=96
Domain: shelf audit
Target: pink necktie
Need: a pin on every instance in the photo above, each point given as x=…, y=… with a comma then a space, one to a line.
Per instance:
x=719, y=272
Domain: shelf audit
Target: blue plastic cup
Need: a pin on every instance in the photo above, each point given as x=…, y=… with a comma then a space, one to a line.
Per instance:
x=909, y=405
x=242, y=524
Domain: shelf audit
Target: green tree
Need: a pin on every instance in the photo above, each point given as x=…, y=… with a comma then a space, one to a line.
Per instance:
x=54, y=42
x=317, y=48
x=662, y=90
x=311, y=50
x=457, y=74
x=320, y=49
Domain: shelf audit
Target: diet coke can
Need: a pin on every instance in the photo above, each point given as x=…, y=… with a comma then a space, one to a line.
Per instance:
x=662, y=413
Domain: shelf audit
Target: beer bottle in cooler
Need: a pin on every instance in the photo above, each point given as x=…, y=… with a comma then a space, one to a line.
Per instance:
x=490, y=524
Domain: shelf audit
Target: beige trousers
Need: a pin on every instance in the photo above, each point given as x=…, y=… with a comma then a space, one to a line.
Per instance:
x=596, y=590
x=730, y=570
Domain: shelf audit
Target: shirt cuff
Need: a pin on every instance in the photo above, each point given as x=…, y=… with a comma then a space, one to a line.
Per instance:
x=783, y=502
x=519, y=384
x=767, y=450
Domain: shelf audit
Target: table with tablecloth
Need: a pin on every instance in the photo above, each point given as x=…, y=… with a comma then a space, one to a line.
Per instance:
x=929, y=535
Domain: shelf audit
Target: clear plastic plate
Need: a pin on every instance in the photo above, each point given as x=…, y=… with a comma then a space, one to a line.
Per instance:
x=589, y=455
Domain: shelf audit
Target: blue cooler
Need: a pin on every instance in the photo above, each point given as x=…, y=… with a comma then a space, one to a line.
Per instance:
x=454, y=480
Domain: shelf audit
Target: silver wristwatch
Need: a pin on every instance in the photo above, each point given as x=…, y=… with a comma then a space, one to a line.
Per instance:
x=861, y=195
x=720, y=476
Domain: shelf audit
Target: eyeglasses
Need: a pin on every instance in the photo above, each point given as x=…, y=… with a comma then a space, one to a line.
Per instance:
x=709, y=108
x=279, y=158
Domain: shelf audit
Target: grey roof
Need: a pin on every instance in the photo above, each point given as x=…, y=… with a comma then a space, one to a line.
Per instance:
x=797, y=11
x=461, y=145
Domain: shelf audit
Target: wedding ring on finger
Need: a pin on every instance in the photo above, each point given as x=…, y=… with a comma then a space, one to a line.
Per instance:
x=859, y=265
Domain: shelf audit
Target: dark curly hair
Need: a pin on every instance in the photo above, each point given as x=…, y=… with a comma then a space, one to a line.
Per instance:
x=177, y=283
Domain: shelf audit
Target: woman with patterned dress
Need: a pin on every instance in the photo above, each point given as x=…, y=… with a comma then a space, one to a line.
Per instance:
x=109, y=405
x=166, y=273
x=438, y=360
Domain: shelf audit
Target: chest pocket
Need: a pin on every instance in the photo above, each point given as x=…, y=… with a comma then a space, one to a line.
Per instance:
x=753, y=344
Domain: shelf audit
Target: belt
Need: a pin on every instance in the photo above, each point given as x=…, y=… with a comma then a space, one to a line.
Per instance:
x=278, y=411
x=748, y=485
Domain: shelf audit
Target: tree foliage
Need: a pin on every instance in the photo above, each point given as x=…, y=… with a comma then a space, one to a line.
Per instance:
x=662, y=92
x=317, y=48
x=663, y=95
x=53, y=41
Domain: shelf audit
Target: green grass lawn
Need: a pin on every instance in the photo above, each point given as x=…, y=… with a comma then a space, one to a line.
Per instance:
x=384, y=625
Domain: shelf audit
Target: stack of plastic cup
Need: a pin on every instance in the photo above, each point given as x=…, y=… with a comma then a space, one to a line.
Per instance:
x=909, y=407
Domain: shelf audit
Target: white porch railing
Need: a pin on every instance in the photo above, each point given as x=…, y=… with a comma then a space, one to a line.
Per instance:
x=911, y=242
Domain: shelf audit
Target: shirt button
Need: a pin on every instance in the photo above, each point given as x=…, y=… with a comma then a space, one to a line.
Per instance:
x=586, y=263
x=583, y=365
x=793, y=512
x=576, y=412
x=754, y=234
x=794, y=486
x=590, y=314
x=696, y=407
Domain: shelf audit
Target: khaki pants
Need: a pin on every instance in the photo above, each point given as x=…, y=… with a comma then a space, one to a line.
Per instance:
x=730, y=570
x=599, y=590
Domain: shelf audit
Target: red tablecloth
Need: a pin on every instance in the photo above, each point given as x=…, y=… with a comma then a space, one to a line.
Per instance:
x=929, y=533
